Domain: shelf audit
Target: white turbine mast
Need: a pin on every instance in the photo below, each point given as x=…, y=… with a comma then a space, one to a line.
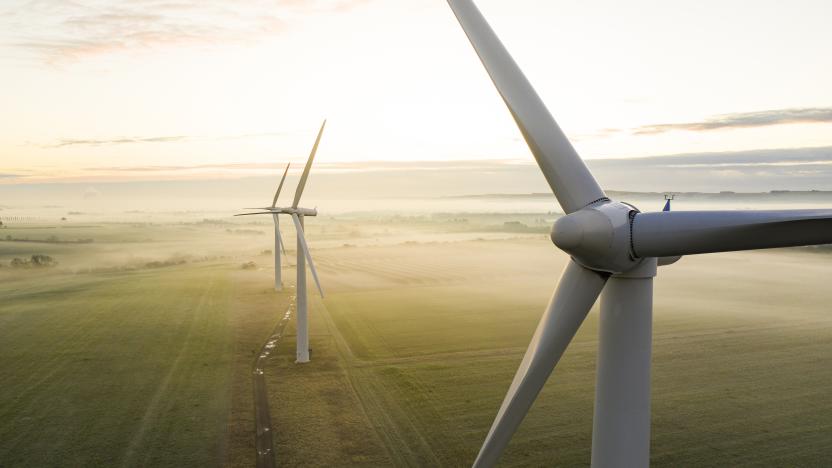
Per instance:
x=278, y=239
x=303, y=255
x=614, y=250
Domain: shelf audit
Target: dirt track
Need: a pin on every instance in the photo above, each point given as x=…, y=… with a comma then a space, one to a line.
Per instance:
x=262, y=419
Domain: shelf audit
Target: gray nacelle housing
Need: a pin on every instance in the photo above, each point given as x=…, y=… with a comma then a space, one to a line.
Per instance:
x=598, y=236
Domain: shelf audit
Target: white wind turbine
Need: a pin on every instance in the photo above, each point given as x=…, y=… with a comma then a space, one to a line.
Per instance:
x=278, y=240
x=298, y=214
x=615, y=251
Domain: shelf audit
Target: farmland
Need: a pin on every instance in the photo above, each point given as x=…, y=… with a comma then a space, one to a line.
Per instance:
x=128, y=353
x=137, y=348
x=424, y=340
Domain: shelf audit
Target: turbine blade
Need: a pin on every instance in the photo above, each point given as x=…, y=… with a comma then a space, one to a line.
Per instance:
x=256, y=213
x=566, y=173
x=673, y=233
x=305, y=175
x=306, y=253
x=282, y=179
x=277, y=232
x=280, y=239
x=576, y=292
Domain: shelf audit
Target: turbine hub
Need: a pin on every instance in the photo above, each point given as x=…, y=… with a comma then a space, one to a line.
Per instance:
x=299, y=211
x=598, y=236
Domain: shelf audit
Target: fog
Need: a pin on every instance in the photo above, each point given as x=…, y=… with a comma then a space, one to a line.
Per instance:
x=702, y=181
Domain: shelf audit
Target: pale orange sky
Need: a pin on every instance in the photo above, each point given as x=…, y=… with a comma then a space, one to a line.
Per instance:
x=93, y=89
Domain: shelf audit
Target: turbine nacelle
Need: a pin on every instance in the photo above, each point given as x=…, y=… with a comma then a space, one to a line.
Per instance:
x=300, y=211
x=599, y=236
x=278, y=210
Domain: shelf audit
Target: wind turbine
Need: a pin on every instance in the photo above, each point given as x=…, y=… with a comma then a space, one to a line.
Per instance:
x=298, y=214
x=615, y=250
x=278, y=240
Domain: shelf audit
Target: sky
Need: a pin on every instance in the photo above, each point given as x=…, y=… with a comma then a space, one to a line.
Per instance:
x=99, y=91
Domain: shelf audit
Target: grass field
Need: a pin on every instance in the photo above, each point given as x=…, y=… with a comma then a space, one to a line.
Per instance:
x=427, y=337
x=104, y=356
x=109, y=362
x=137, y=348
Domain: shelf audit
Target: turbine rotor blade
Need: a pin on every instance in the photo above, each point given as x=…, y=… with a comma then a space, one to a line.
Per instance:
x=282, y=179
x=567, y=175
x=255, y=213
x=277, y=232
x=306, y=253
x=673, y=233
x=280, y=240
x=574, y=296
x=305, y=175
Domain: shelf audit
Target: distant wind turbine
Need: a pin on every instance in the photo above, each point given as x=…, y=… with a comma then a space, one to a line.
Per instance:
x=614, y=249
x=298, y=214
x=278, y=240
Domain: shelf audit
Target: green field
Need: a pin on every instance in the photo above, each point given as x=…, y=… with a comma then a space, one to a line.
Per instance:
x=423, y=340
x=137, y=349
x=131, y=352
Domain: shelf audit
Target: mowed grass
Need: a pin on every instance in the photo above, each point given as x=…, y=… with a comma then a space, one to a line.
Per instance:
x=141, y=368
x=426, y=340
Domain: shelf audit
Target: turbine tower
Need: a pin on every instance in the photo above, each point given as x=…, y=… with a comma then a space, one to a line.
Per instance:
x=298, y=214
x=615, y=250
x=278, y=240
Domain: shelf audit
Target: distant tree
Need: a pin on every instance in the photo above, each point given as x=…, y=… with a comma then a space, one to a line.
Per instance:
x=39, y=260
x=36, y=261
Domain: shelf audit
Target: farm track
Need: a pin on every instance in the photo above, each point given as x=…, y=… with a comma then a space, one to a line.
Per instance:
x=263, y=439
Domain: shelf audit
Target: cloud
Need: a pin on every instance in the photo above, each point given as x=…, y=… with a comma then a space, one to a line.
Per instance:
x=764, y=157
x=787, y=168
x=115, y=141
x=742, y=171
x=758, y=170
x=787, y=161
x=339, y=167
x=68, y=31
x=744, y=120
x=155, y=139
x=198, y=167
